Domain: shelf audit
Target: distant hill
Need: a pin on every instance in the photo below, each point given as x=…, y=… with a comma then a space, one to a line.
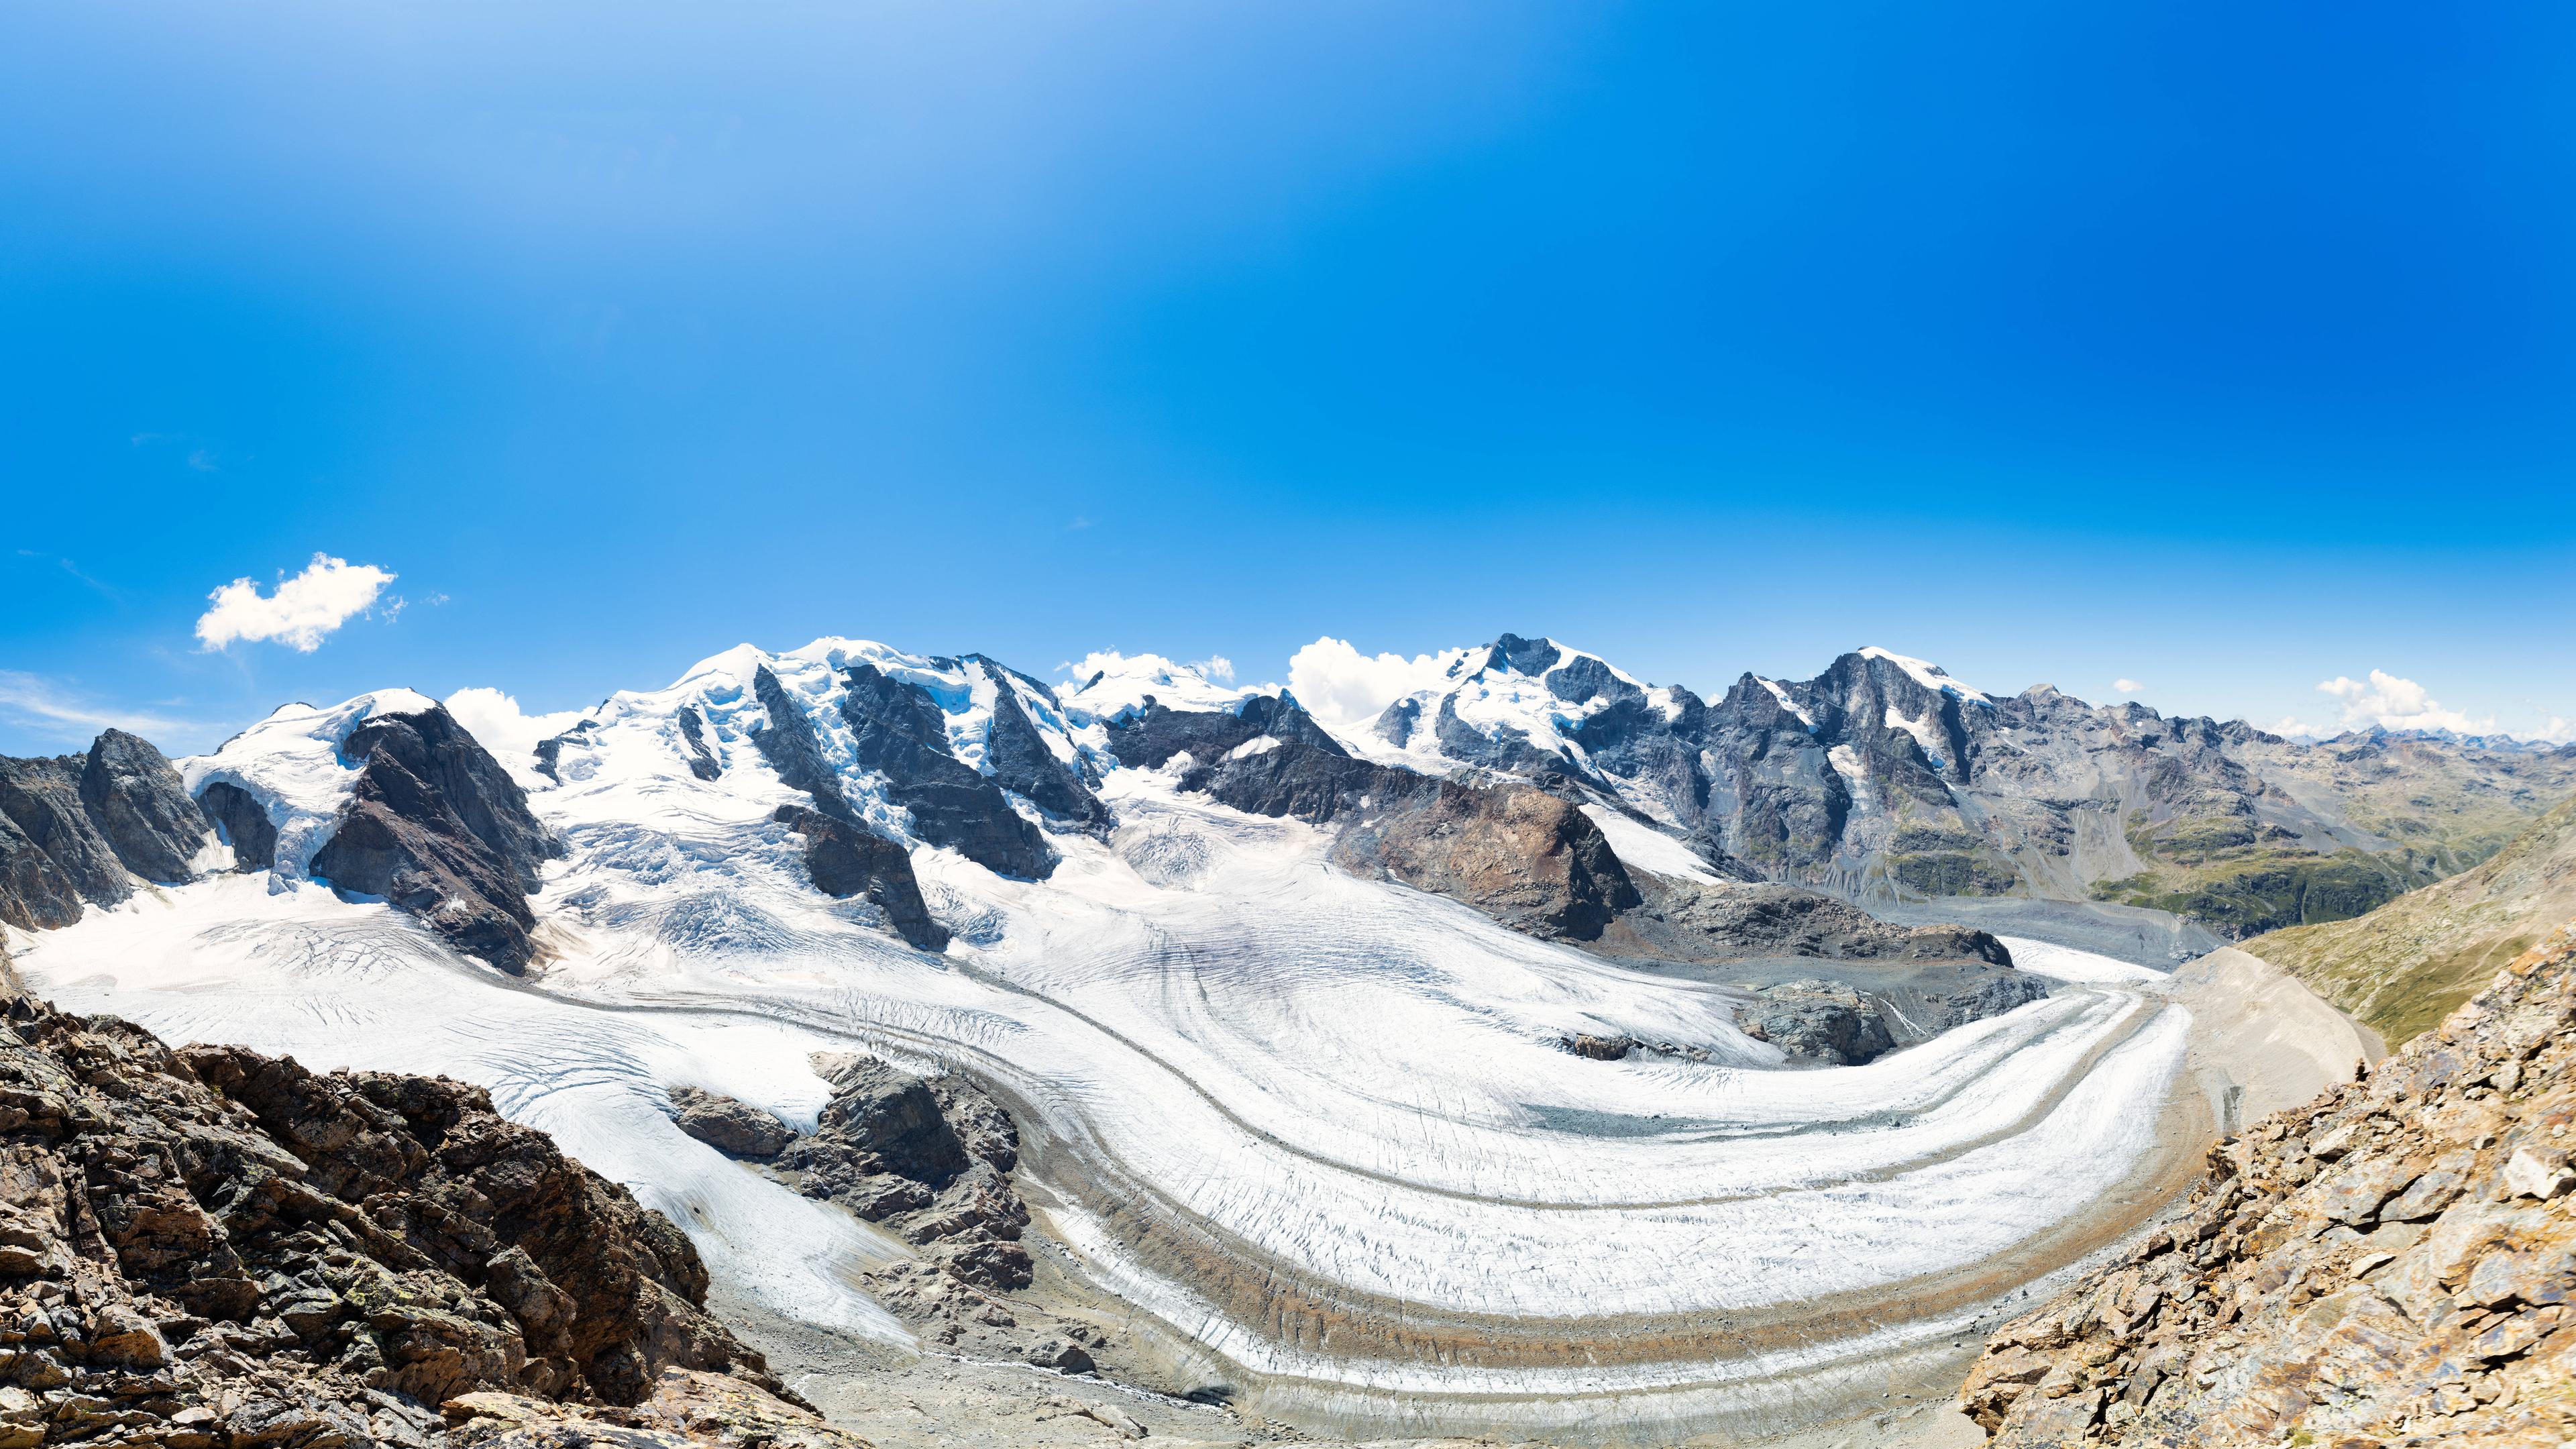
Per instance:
x=2404, y=966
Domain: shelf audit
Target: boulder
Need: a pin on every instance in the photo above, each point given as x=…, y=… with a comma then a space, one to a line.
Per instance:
x=733, y=1127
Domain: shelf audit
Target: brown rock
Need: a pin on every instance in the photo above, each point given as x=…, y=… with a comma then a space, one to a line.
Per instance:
x=729, y=1126
x=215, y=1249
x=2445, y=1322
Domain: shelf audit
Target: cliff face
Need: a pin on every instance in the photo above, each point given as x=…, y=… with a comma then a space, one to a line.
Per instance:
x=2390, y=1264
x=204, y=1247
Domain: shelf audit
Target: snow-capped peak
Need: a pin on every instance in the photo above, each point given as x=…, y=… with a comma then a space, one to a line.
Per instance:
x=1108, y=686
x=291, y=764
x=1931, y=676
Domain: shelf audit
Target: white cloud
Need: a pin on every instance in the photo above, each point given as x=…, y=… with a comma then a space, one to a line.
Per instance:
x=499, y=725
x=2294, y=728
x=1341, y=686
x=49, y=709
x=2127, y=686
x=2558, y=731
x=303, y=609
x=2398, y=704
x=1215, y=666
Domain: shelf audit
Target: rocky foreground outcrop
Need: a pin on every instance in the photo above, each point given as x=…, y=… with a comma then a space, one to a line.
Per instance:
x=2390, y=1264
x=207, y=1248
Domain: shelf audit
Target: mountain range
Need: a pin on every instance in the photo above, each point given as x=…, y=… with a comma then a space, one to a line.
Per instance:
x=1152, y=1026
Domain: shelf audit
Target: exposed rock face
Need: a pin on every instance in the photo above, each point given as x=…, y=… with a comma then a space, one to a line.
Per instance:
x=242, y=823
x=434, y=749
x=35, y=895
x=2391, y=1263
x=848, y=860
x=728, y=1125
x=208, y=1247
x=693, y=732
x=1151, y=736
x=398, y=838
x=688, y=1408
x=843, y=856
x=1820, y=1021
x=1683, y=921
x=788, y=744
x=42, y=798
x=1019, y=758
x=435, y=826
x=1529, y=858
x=1526, y=858
x=896, y=728
x=84, y=827
x=931, y=1158
x=138, y=803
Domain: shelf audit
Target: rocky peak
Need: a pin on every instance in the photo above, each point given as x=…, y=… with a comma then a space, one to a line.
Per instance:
x=434, y=749
x=86, y=828
x=899, y=731
x=1533, y=657
x=435, y=826
x=138, y=803
x=1016, y=753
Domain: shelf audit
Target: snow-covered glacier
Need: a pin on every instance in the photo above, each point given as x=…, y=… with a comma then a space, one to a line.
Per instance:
x=1321, y=1131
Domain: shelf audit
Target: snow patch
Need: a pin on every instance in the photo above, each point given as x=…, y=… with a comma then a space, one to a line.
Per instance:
x=1649, y=850
x=1786, y=703
x=1109, y=686
x=1930, y=676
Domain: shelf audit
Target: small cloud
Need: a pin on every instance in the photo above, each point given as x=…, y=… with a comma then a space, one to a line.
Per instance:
x=2398, y=704
x=393, y=607
x=303, y=609
x=46, y=706
x=435, y=600
x=1079, y=522
x=510, y=733
x=2127, y=686
x=1344, y=687
x=2558, y=731
x=1215, y=666
x=2295, y=729
x=201, y=459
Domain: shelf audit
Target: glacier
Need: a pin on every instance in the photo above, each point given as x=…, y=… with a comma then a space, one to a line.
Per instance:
x=1321, y=1131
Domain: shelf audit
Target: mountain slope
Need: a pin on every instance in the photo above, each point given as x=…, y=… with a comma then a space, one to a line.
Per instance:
x=88, y=829
x=2390, y=1264
x=2404, y=966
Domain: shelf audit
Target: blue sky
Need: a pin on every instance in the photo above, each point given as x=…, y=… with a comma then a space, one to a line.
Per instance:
x=2222, y=349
